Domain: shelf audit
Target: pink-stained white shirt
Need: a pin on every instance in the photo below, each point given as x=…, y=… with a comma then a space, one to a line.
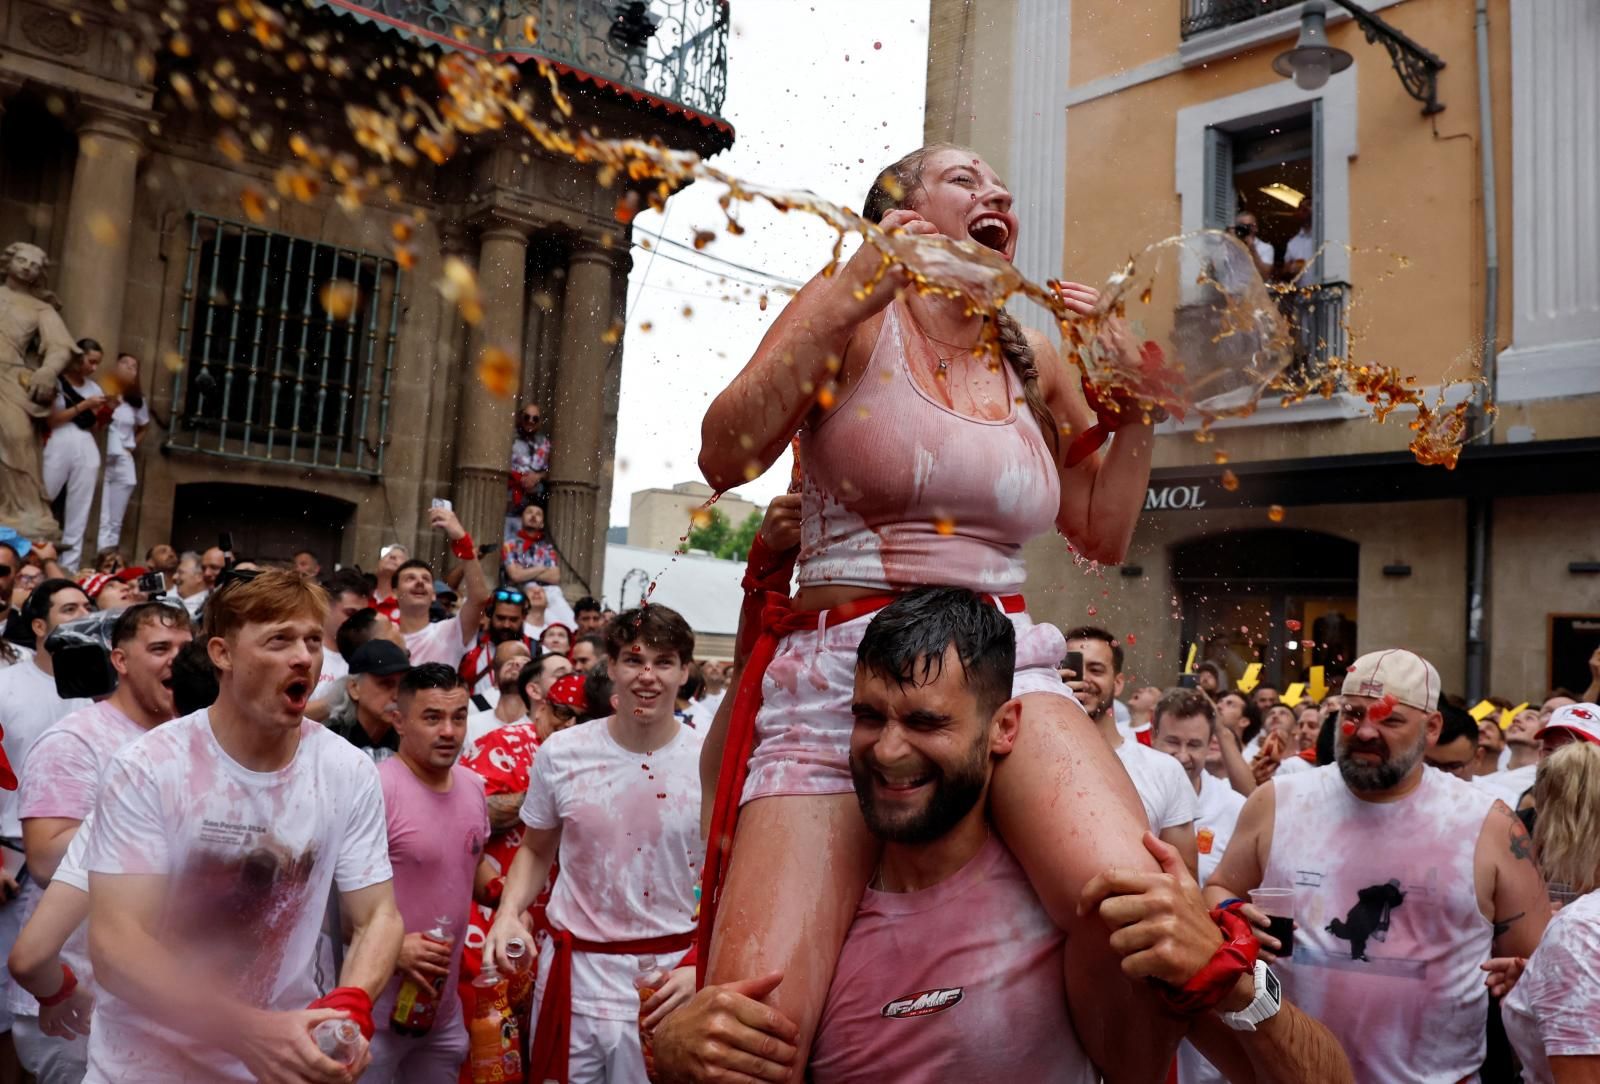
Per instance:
x=958, y=982
x=1554, y=1010
x=334, y=670
x=1164, y=788
x=631, y=851
x=249, y=859
x=440, y=641
x=1388, y=931
x=898, y=490
x=63, y=778
x=435, y=841
x=28, y=707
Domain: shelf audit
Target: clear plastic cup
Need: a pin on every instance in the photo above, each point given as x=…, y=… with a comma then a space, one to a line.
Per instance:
x=1278, y=905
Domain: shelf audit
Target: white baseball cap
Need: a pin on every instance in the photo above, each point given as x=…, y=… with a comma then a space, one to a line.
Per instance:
x=1396, y=672
x=1582, y=719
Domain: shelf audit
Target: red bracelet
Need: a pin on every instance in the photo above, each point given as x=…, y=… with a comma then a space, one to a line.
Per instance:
x=494, y=890
x=349, y=999
x=463, y=548
x=69, y=983
x=1212, y=983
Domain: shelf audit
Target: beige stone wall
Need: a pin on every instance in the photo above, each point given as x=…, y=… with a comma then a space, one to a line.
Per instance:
x=1425, y=611
x=1534, y=539
x=659, y=518
x=969, y=76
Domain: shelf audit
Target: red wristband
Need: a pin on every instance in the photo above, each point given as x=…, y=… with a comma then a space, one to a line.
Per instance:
x=494, y=890
x=350, y=999
x=1212, y=983
x=69, y=983
x=463, y=548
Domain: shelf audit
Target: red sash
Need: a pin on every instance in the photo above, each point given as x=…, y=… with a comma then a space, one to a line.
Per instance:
x=775, y=618
x=552, y=1033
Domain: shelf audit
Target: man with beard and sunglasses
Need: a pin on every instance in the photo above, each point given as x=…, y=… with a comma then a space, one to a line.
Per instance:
x=952, y=969
x=508, y=610
x=1405, y=881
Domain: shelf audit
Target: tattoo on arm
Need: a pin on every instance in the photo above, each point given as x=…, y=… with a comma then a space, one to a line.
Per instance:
x=1501, y=925
x=504, y=810
x=1521, y=843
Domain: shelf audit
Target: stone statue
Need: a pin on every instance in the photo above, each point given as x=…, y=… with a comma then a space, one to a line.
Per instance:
x=35, y=346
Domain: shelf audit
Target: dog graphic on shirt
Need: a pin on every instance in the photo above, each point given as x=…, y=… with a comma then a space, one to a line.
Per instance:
x=1369, y=918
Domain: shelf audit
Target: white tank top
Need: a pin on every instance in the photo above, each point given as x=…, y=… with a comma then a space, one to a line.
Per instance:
x=1389, y=935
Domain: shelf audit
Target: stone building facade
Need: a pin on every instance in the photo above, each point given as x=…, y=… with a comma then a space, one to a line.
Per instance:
x=279, y=418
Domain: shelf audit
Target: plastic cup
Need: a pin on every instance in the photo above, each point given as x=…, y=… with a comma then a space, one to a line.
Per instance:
x=1278, y=904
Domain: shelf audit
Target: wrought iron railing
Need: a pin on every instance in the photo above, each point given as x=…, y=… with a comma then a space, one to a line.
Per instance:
x=671, y=49
x=1202, y=15
x=1317, y=326
x=286, y=348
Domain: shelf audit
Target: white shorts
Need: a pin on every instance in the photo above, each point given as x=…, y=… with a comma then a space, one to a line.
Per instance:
x=803, y=728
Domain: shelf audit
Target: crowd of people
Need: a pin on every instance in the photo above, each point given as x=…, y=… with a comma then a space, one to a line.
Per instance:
x=262, y=820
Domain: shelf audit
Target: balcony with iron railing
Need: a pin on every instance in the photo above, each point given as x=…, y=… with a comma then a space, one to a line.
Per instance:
x=1200, y=16
x=675, y=52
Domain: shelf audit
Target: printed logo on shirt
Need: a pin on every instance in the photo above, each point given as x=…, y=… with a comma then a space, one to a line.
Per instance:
x=925, y=1003
x=1369, y=918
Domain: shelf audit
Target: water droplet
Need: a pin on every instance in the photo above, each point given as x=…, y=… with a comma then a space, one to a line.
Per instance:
x=1275, y=513
x=1230, y=481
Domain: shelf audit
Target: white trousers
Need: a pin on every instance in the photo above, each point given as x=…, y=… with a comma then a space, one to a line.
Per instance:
x=50, y=1060
x=115, y=493
x=72, y=462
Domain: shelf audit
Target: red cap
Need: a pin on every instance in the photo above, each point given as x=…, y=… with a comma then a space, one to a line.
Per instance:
x=92, y=583
x=128, y=575
x=568, y=691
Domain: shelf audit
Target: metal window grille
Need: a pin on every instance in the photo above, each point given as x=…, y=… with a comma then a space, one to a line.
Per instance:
x=277, y=367
x=1317, y=323
x=1202, y=15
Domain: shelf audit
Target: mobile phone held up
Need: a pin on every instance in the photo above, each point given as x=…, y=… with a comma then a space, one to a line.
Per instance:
x=443, y=505
x=1073, y=660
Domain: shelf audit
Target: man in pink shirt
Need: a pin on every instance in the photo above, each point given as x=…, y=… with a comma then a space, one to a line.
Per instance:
x=437, y=828
x=952, y=969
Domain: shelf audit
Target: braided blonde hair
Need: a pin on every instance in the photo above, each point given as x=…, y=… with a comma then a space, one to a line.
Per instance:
x=896, y=189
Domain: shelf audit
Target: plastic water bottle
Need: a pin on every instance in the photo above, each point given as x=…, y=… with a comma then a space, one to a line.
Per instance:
x=520, y=992
x=493, y=1039
x=339, y=1039
x=416, y=1005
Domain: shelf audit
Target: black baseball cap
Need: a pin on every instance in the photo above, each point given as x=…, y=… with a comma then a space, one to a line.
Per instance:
x=379, y=658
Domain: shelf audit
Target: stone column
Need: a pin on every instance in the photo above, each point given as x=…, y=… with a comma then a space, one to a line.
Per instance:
x=578, y=410
x=485, y=421
x=93, y=272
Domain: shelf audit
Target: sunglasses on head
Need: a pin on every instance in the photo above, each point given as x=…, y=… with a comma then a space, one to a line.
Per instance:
x=507, y=595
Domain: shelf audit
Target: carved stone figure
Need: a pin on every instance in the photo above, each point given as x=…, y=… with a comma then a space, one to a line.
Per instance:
x=35, y=346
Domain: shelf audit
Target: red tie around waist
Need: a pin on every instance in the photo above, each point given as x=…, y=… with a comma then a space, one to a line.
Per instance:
x=775, y=618
x=552, y=1033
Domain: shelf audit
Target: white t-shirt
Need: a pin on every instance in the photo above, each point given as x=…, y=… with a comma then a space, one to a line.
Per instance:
x=481, y=724
x=250, y=858
x=439, y=642
x=1163, y=785
x=28, y=707
x=1554, y=1010
x=631, y=852
x=1216, y=812
x=1508, y=786
x=195, y=602
x=704, y=711
x=64, y=771
x=68, y=439
x=1291, y=764
x=334, y=670
x=125, y=422
x=1263, y=250
x=1300, y=247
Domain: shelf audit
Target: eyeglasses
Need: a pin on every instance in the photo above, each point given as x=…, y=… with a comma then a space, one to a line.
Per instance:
x=530, y=417
x=507, y=595
x=562, y=712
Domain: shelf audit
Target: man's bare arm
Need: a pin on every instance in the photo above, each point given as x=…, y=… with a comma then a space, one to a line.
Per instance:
x=504, y=810
x=1290, y=1048
x=1511, y=889
x=375, y=944
x=1180, y=837
x=1244, y=863
x=1240, y=777
x=45, y=840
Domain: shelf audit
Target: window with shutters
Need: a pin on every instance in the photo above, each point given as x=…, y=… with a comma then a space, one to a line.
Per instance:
x=1263, y=181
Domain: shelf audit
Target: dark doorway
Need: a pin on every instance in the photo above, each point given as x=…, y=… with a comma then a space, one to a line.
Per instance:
x=268, y=523
x=1283, y=598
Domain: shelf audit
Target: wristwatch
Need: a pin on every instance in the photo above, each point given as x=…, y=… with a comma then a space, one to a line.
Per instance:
x=1267, y=1002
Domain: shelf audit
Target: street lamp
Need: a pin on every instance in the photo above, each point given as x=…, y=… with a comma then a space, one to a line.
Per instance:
x=1313, y=60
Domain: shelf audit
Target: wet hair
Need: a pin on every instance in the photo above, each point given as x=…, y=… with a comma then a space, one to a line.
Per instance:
x=357, y=629
x=1458, y=723
x=585, y=605
x=1094, y=632
x=1181, y=704
x=140, y=614
x=656, y=627
x=346, y=581
x=37, y=608
x=895, y=189
x=907, y=639
x=89, y=346
x=271, y=595
x=1566, y=837
x=194, y=679
x=428, y=675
